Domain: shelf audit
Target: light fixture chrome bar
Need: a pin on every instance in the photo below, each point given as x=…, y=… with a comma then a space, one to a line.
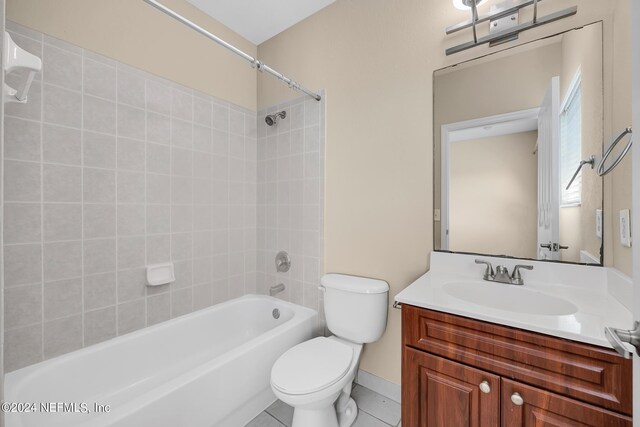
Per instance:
x=474, y=19
x=515, y=30
x=260, y=66
x=495, y=15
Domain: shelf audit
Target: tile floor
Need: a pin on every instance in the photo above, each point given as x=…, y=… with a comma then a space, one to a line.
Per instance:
x=374, y=410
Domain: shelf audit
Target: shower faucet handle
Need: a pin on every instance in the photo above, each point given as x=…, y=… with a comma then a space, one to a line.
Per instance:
x=283, y=262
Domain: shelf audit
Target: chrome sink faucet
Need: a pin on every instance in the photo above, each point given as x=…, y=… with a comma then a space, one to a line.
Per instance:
x=501, y=273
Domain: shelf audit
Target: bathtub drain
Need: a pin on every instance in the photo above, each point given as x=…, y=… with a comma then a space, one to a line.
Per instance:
x=275, y=313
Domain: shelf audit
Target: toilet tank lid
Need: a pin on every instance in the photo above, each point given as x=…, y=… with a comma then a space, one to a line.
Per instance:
x=360, y=285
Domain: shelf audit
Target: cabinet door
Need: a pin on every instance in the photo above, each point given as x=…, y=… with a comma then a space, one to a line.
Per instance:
x=439, y=393
x=535, y=407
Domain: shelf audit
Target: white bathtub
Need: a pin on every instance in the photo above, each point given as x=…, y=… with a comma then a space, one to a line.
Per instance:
x=208, y=368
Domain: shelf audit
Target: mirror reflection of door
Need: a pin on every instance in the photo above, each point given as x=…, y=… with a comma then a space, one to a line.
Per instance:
x=500, y=175
x=492, y=178
x=548, y=152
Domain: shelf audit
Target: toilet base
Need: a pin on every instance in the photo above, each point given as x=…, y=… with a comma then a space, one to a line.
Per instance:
x=325, y=417
x=341, y=414
x=348, y=414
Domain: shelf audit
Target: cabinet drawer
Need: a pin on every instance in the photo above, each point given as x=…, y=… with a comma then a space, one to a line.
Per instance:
x=589, y=373
x=541, y=408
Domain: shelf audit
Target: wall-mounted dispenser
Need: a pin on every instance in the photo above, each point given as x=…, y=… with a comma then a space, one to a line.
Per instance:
x=16, y=58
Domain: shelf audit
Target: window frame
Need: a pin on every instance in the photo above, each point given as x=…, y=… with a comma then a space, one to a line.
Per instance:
x=575, y=88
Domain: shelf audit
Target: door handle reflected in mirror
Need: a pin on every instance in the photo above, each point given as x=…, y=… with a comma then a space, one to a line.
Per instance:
x=553, y=247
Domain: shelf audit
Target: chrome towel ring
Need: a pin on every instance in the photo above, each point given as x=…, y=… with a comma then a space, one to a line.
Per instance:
x=601, y=171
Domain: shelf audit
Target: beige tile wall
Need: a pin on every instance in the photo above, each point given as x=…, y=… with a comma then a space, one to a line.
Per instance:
x=108, y=169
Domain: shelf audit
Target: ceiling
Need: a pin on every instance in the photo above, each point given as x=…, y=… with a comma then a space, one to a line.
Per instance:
x=259, y=20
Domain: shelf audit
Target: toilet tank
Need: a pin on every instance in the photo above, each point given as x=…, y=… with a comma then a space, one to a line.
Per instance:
x=355, y=307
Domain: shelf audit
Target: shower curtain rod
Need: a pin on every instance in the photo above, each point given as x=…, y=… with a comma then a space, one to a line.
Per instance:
x=255, y=63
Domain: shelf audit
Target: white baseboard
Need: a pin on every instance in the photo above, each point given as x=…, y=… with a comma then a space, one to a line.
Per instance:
x=379, y=385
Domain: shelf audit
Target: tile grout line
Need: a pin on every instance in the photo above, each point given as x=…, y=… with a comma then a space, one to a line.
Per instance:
x=97, y=132
x=42, y=256
x=275, y=418
x=228, y=204
x=145, y=204
x=193, y=210
x=82, y=281
x=373, y=416
x=213, y=284
x=170, y=290
x=115, y=202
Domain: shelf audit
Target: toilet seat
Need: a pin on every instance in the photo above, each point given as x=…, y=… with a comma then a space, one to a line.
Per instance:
x=311, y=366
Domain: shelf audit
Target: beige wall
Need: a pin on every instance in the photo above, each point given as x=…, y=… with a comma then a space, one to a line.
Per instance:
x=582, y=50
x=375, y=58
x=493, y=195
x=132, y=32
x=620, y=178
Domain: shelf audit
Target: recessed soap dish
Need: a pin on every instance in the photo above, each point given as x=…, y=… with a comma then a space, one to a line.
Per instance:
x=160, y=274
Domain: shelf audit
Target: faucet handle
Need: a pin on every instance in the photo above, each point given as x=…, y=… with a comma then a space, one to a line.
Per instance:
x=516, y=277
x=488, y=272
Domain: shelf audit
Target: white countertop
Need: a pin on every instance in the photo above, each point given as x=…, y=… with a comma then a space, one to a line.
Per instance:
x=596, y=307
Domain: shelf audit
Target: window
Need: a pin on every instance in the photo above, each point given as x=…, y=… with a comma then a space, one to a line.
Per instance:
x=571, y=145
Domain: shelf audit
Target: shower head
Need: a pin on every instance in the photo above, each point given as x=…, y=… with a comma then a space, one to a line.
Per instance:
x=271, y=119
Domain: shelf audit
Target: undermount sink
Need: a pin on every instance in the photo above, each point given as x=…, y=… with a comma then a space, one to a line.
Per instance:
x=512, y=298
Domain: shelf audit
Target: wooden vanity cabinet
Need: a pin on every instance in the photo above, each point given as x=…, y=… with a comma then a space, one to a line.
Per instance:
x=458, y=371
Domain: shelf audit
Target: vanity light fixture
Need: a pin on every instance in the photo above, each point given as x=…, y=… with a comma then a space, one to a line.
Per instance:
x=502, y=19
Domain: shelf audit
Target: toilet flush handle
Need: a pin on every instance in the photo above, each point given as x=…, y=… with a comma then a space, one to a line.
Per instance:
x=322, y=288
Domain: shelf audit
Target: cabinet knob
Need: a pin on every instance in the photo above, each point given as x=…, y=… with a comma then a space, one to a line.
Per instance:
x=517, y=399
x=485, y=387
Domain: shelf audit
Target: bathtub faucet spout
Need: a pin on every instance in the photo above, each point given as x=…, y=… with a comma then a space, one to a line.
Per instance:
x=273, y=290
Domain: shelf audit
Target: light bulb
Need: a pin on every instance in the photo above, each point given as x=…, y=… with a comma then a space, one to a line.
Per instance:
x=466, y=4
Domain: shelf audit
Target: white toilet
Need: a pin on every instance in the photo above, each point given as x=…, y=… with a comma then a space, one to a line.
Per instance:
x=315, y=377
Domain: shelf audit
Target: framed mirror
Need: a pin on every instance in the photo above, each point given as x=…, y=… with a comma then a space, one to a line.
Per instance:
x=510, y=132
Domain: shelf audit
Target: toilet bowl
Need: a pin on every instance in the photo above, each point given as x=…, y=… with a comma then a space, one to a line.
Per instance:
x=316, y=376
x=311, y=376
